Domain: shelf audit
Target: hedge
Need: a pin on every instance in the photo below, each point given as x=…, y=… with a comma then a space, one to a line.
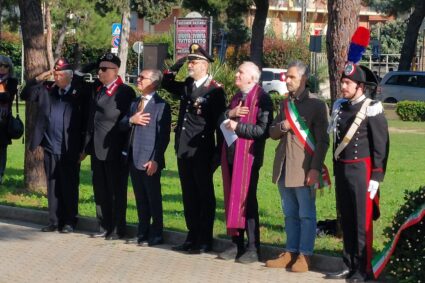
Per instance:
x=411, y=110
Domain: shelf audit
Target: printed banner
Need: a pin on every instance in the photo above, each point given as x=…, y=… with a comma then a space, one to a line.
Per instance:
x=188, y=31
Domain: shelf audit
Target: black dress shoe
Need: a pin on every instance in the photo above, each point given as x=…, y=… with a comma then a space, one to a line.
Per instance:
x=49, y=228
x=205, y=248
x=183, y=247
x=113, y=236
x=156, y=241
x=99, y=235
x=67, y=229
x=338, y=275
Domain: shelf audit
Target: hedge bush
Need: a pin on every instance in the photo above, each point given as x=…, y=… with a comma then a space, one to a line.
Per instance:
x=411, y=110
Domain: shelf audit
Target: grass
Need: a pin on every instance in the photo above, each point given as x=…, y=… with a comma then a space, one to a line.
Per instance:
x=404, y=172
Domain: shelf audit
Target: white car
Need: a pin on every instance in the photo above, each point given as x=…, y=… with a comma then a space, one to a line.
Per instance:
x=274, y=80
x=401, y=85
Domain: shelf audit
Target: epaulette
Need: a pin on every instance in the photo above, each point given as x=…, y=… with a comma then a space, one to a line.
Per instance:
x=374, y=109
x=211, y=81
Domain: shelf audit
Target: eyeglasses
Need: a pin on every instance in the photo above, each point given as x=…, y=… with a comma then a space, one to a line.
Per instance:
x=4, y=65
x=141, y=78
x=104, y=69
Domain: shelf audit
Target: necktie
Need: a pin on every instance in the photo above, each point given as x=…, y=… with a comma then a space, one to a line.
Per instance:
x=101, y=92
x=141, y=105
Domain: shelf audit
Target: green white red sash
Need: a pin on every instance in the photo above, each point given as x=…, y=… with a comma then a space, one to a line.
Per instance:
x=381, y=260
x=302, y=132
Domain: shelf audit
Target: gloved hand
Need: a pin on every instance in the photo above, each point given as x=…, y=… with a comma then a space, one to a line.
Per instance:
x=373, y=188
x=179, y=63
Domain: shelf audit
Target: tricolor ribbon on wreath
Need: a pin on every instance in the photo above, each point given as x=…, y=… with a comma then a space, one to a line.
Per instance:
x=303, y=133
x=380, y=261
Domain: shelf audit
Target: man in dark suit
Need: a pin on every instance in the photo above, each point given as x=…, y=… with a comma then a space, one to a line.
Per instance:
x=104, y=142
x=202, y=100
x=60, y=128
x=150, y=122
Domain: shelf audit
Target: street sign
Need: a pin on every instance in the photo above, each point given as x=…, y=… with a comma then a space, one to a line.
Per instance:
x=138, y=47
x=116, y=29
x=114, y=50
x=375, y=49
x=115, y=41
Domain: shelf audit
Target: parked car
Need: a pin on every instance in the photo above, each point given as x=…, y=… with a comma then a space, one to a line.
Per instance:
x=402, y=85
x=274, y=80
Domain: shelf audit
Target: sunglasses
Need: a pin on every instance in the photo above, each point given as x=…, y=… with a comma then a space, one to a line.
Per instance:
x=4, y=65
x=104, y=69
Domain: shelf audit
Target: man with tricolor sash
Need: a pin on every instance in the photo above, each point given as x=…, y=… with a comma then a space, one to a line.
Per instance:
x=298, y=166
x=247, y=119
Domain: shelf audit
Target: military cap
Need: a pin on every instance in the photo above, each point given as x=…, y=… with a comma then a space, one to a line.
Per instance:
x=110, y=57
x=196, y=52
x=359, y=73
x=62, y=64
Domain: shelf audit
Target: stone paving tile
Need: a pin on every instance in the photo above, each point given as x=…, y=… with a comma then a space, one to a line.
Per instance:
x=28, y=255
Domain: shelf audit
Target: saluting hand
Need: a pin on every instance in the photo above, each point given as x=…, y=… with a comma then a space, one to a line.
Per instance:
x=44, y=76
x=140, y=118
x=151, y=167
x=239, y=111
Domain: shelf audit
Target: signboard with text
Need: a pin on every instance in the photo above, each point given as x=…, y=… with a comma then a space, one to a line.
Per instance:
x=191, y=30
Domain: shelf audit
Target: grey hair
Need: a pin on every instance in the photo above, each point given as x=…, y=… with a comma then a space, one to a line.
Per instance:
x=302, y=68
x=8, y=61
x=69, y=73
x=255, y=71
x=156, y=77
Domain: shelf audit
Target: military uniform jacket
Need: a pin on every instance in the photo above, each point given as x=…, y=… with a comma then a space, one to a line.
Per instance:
x=75, y=113
x=196, y=125
x=104, y=138
x=371, y=138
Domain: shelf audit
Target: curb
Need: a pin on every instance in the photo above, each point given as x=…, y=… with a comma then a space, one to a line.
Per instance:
x=319, y=263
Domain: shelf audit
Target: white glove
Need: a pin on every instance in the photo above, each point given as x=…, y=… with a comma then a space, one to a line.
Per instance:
x=373, y=188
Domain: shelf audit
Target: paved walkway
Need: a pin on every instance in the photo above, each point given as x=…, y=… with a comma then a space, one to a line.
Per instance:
x=28, y=255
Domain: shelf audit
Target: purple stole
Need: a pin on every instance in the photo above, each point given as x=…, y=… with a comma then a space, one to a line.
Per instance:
x=236, y=185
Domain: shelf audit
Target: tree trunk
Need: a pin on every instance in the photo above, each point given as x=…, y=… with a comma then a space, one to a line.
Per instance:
x=261, y=10
x=342, y=22
x=35, y=63
x=411, y=37
x=124, y=37
x=61, y=40
x=49, y=46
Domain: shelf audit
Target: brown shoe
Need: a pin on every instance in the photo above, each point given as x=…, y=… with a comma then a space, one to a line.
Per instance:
x=285, y=260
x=301, y=264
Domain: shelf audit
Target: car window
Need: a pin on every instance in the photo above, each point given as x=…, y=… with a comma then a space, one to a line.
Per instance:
x=403, y=80
x=266, y=76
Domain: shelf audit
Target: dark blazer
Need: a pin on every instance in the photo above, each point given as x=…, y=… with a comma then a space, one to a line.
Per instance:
x=6, y=98
x=150, y=141
x=196, y=125
x=75, y=115
x=104, y=139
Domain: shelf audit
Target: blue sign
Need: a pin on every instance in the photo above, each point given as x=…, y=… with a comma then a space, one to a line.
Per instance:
x=116, y=29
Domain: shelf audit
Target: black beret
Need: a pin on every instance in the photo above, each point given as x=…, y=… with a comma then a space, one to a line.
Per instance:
x=110, y=57
x=196, y=52
x=62, y=64
x=359, y=73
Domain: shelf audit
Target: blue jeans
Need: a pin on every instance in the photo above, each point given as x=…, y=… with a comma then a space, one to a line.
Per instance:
x=299, y=208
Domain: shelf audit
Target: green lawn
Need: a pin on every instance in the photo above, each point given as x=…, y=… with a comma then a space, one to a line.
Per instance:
x=405, y=171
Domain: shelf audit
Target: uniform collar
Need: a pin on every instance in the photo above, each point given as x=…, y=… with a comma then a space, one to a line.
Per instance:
x=199, y=82
x=357, y=100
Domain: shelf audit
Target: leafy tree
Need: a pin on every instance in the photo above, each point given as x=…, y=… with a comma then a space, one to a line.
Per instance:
x=391, y=35
x=416, y=9
x=9, y=15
